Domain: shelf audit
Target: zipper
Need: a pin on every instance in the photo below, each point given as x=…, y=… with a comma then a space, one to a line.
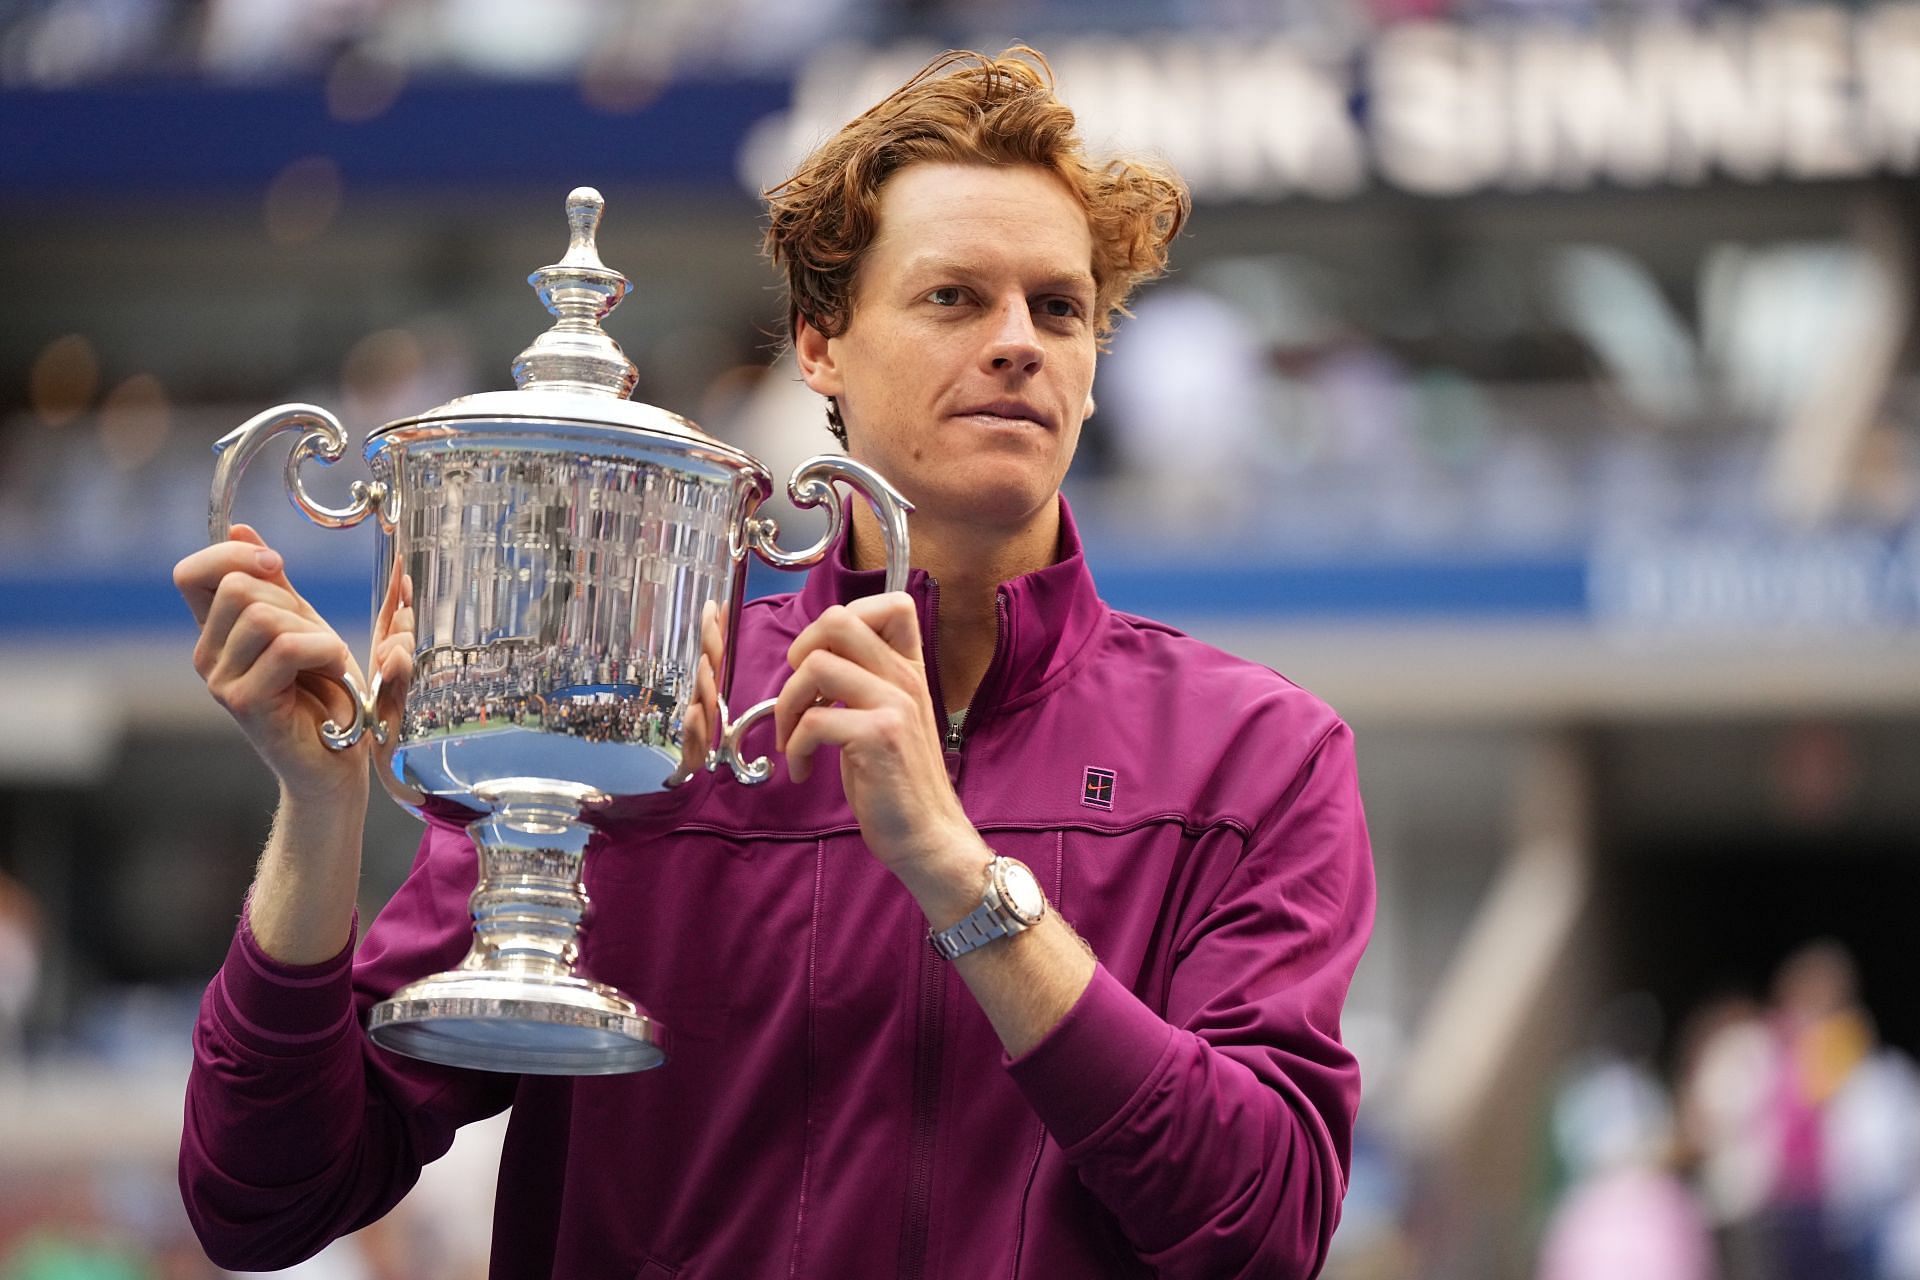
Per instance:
x=930, y=1009
x=929, y=1044
x=930, y=636
x=956, y=726
x=926, y=1105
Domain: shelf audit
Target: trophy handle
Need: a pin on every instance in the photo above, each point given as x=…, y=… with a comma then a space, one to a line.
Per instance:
x=325, y=439
x=812, y=486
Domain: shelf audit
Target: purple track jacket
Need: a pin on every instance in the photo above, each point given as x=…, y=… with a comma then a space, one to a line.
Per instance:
x=834, y=1102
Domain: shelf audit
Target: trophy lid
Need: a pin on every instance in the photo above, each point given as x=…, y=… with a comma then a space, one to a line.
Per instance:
x=573, y=372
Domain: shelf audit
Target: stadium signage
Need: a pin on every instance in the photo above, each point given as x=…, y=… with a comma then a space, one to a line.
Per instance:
x=1799, y=94
x=1756, y=587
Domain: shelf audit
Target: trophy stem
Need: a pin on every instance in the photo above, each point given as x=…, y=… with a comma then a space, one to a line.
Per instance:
x=529, y=904
x=514, y=1003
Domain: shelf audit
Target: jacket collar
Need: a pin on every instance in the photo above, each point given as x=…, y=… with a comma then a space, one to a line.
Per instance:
x=1047, y=617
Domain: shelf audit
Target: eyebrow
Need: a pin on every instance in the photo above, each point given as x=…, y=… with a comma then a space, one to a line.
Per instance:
x=937, y=264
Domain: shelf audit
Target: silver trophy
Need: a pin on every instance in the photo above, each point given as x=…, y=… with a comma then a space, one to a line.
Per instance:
x=559, y=549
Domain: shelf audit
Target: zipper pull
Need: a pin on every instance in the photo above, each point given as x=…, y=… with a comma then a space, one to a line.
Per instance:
x=954, y=730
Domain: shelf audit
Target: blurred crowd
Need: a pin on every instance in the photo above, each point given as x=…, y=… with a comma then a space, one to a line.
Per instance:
x=1783, y=1145
x=1259, y=407
x=57, y=43
x=87, y=1187
x=1441, y=389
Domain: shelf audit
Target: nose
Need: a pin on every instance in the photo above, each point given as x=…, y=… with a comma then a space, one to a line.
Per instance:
x=1013, y=344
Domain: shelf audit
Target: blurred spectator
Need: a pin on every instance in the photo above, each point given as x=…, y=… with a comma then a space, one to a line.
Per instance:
x=52, y=1256
x=1626, y=1213
x=1800, y=1132
x=1184, y=395
x=1637, y=1221
x=74, y=1238
x=1725, y=1070
x=1806, y=1132
x=1872, y=1165
x=1612, y=1111
x=1821, y=1036
x=20, y=940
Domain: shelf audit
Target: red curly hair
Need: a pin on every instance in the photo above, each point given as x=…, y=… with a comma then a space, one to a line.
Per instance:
x=966, y=108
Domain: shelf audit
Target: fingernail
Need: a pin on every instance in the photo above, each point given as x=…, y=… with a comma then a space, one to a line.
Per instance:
x=269, y=561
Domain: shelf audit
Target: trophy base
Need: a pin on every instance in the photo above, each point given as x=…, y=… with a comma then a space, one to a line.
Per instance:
x=528, y=1023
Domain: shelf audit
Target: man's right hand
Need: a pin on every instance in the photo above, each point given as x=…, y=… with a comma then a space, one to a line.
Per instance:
x=272, y=661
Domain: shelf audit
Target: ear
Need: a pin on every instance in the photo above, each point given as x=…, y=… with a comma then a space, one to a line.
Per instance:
x=819, y=363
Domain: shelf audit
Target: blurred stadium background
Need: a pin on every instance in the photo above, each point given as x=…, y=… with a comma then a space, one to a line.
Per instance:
x=1537, y=383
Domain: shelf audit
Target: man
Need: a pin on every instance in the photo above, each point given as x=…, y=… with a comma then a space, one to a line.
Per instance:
x=1167, y=1096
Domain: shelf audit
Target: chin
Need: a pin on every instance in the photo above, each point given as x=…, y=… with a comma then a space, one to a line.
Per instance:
x=1002, y=500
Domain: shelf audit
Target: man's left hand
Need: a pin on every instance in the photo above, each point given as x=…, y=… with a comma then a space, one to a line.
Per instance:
x=859, y=684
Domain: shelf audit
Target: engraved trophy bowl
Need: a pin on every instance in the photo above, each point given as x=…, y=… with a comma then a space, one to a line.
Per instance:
x=557, y=550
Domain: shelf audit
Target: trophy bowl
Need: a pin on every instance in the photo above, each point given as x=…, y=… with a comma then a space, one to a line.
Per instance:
x=559, y=551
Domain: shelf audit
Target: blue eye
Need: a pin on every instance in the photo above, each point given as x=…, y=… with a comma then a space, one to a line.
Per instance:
x=945, y=296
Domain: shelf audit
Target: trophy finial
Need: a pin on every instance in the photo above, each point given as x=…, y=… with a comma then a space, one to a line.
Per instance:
x=584, y=207
x=579, y=290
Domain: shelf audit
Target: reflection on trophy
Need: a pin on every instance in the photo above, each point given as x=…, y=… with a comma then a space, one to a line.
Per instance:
x=558, y=553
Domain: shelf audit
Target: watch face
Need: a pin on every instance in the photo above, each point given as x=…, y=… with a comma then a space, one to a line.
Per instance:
x=1022, y=892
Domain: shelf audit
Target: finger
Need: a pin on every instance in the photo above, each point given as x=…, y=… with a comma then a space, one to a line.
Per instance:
x=894, y=618
x=819, y=727
x=394, y=660
x=397, y=599
x=396, y=619
x=705, y=688
x=198, y=576
x=826, y=677
x=840, y=630
x=393, y=672
x=274, y=570
x=258, y=625
x=237, y=592
x=272, y=677
x=713, y=633
x=694, y=745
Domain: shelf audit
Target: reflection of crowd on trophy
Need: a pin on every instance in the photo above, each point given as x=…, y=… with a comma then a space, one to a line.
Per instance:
x=555, y=594
x=461, y=689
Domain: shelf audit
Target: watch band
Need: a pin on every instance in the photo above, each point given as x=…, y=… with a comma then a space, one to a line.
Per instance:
x=993, y=919
x=976, y=931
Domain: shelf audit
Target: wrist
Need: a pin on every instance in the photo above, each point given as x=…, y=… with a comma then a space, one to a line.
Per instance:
x=1011, y=903
x=300, y=910
x=947, y=882
x=342, y=807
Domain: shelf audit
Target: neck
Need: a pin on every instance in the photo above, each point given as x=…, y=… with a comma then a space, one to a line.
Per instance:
x=969, y=562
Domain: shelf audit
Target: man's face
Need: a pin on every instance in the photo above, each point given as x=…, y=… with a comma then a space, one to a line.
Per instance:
x=965, y=369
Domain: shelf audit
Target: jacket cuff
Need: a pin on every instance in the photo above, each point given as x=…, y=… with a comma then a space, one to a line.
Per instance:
x=279, y=1009
x=1084, y=1072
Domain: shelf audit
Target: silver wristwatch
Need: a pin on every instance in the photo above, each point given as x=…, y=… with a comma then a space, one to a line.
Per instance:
x=1013, y=903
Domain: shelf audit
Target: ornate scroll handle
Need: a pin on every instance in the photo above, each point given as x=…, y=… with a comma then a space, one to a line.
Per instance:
x=812, y=486
x=325, y=439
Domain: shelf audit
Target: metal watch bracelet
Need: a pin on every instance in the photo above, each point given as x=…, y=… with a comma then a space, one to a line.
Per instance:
x=1000, y=913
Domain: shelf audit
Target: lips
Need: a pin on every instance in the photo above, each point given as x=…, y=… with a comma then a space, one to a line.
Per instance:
x=1015, y=409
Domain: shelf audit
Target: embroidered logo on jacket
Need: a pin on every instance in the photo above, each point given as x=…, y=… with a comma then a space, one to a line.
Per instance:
x=1098, y=791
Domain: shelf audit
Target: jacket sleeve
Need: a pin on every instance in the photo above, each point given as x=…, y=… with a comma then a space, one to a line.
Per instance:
x=1219, y=1136
x=297, y=1129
